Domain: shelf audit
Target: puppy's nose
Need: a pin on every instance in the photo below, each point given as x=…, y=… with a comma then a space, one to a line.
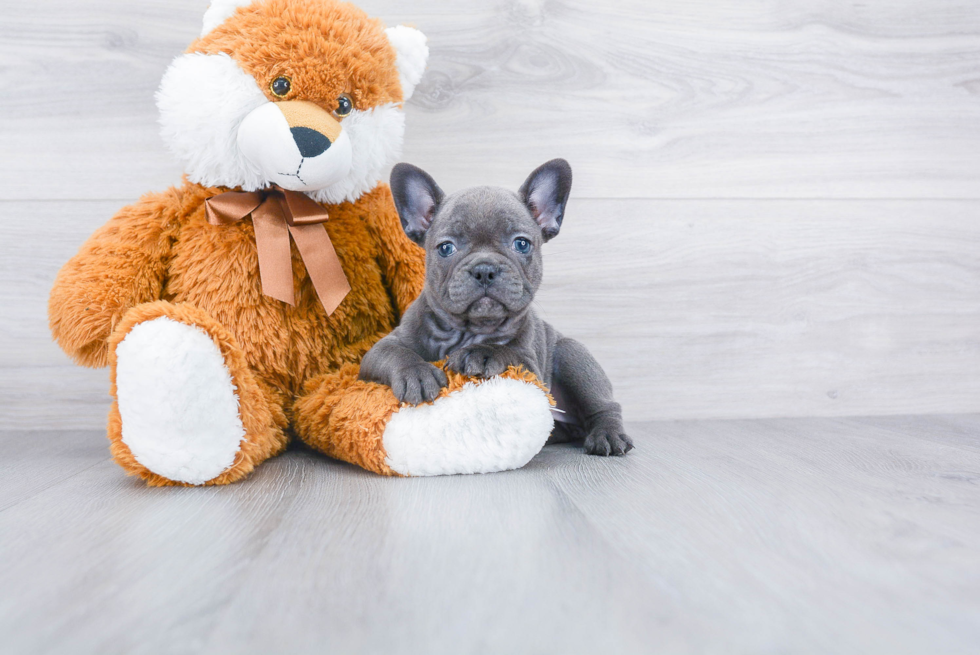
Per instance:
x=485, y=273
x=310, y=142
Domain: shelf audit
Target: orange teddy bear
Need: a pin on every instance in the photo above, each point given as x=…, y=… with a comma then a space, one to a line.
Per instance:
x=233, y=309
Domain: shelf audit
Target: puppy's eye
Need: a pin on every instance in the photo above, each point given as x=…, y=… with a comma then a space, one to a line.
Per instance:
x=280, y=87
x=522, y=245
x=446, y=249
x=345, y=105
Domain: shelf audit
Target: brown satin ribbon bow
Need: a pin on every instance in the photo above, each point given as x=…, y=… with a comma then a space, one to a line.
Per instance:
x=277, y=214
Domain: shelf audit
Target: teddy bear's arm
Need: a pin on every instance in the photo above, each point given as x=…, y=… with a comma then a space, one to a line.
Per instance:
x=121, y=265
x=402, y=262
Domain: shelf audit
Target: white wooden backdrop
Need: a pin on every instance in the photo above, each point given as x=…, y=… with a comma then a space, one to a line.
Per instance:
x=776, y=209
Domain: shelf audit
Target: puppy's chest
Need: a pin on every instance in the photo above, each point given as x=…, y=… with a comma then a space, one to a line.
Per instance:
x=531, y=340
x=532, y=347
x=442, y=343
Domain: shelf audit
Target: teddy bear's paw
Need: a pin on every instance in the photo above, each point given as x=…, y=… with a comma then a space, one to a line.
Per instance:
x=177, y=401
x=496, y=425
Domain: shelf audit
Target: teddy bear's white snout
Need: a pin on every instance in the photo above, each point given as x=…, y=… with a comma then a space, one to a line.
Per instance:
x=296, y=145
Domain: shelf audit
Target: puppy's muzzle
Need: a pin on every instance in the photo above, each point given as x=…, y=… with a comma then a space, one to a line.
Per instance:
x=485, y=274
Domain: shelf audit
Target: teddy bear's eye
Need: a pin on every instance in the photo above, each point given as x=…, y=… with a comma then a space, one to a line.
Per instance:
x=345, y=105
x=280, y=86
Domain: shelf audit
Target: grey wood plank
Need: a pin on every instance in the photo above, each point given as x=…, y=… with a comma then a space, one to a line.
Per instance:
x=131, y=569
x=789, y=535
x=37, y=460
x=493, y=564
x=667, y=99
x=696, y=309
x=801, y=535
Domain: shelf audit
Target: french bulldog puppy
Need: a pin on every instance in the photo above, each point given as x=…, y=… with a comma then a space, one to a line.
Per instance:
x=483, y=267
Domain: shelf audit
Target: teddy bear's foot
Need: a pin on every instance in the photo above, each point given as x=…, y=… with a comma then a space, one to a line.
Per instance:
x=180, y=416
x=475, y=426
x=177, y=402
x=484, y=427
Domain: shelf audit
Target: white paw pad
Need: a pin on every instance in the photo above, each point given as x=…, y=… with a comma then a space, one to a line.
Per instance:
x=497, y=425
x=179, y=409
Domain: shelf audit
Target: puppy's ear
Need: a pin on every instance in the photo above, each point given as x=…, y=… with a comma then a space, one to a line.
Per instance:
x=545, y=193
x=417, y=198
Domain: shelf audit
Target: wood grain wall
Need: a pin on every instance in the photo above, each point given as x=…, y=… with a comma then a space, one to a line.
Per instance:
x=776, y=209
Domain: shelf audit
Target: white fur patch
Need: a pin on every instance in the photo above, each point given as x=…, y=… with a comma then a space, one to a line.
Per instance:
x=497, y=425
x=177, y=401
x=203, y=101
x=412, y=55
x=265, y=140
x=376, y=137
x=219, y=11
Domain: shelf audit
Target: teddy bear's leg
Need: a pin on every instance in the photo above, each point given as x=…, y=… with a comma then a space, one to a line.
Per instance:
x=473, y=427
x=187, y=409
x=345, y=418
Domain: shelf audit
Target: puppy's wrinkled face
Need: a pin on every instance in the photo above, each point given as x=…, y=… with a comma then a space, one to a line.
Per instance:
x=483, y=256
x=483, y=245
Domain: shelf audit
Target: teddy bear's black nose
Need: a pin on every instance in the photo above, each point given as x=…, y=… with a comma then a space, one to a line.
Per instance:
x=310, y=142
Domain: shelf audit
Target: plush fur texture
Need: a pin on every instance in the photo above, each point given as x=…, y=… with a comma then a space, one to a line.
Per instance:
x=177, y=401
x=413, y=52
x=164, y=248
x=203, y=100
x=486, y=426
x=474, y=426
x=325, y=48
x=260, y=405
x=219, y=11
x=376, y=138
x=345, y=418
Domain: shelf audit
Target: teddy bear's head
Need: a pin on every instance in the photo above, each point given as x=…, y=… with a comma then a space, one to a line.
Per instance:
x=304, y=94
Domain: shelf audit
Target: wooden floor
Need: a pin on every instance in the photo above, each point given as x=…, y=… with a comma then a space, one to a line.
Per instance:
x=766, y=536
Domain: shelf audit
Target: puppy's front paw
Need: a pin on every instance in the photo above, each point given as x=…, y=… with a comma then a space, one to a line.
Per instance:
x=418, y=383
x=482, y=361
x=608, y=439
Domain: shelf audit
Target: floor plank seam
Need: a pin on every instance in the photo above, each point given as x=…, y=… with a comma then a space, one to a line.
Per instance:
x=54, y=484
x=221, y=612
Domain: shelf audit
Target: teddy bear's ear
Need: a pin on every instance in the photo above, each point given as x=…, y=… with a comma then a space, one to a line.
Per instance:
x=220, y=11
x=412, y=51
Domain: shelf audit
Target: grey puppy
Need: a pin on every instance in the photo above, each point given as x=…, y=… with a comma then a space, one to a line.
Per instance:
x=483, y=267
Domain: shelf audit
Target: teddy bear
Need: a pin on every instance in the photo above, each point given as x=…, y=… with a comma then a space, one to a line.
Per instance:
x=233, y=308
